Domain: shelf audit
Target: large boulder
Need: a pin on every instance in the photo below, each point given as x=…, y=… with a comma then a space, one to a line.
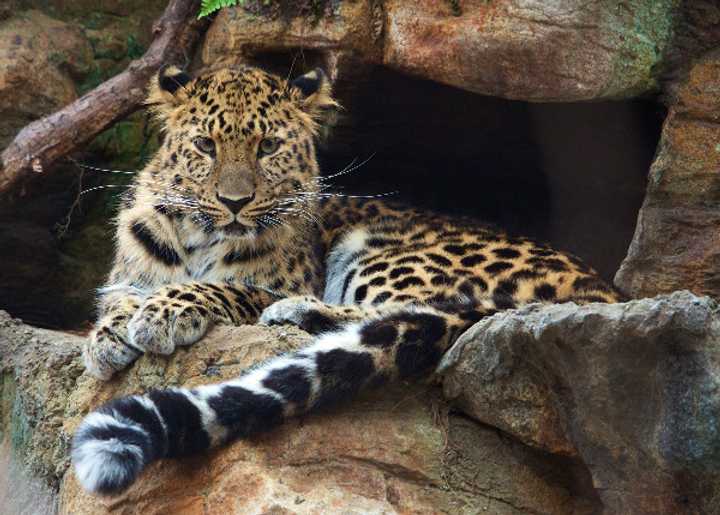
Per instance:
x=676, y=243
x=531, y=50
x=39, y=56
x=632, y=389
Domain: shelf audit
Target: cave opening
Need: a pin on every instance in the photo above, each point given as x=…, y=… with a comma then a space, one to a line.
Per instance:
x=570, y=174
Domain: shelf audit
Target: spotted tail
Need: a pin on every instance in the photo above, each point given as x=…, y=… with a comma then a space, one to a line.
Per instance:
x=115, y=443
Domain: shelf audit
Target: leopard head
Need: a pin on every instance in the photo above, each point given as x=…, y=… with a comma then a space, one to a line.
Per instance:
x=238, y=154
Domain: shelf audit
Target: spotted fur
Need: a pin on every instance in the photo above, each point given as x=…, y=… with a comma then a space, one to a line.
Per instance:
x=228, y=225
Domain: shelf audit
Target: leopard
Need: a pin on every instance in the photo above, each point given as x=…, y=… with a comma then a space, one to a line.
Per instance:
x=228, y=224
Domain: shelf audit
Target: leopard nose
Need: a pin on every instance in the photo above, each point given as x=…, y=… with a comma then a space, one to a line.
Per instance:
x=235, y=205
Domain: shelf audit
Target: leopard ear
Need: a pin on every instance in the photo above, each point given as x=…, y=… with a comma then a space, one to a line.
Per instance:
x=167, y=88
x=314, y=93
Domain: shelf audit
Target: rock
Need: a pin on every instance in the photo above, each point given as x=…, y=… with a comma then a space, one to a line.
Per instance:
x=397, y=451
x=633, y=388
x=339, y=41
x=38, y=58
x=531, y=50
x=610, y=406
x=676, y=243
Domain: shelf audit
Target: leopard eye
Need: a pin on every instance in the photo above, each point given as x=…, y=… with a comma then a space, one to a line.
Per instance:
x=205, y=145
x=268, y=146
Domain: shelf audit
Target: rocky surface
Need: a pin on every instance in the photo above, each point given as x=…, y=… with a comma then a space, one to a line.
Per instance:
x=532, y=50
x=631, y=388
x=553, y=410
x=676, y=243
x=395, y=452
x=39, y=56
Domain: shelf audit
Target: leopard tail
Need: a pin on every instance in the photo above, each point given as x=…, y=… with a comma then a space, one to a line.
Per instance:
x=117, y=441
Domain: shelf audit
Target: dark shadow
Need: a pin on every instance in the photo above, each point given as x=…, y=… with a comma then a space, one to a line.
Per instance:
x=570, y=174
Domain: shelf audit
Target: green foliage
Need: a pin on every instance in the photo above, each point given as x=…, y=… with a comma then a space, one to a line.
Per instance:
x=210, y=6
x=134, y=49
x=314, y=7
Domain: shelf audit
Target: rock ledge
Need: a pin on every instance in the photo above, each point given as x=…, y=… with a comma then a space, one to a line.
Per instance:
x=562, y=410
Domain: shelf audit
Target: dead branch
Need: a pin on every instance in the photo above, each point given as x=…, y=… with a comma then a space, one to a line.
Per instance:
x=43, y=141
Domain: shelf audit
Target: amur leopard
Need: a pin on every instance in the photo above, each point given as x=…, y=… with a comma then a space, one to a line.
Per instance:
x=227, y=224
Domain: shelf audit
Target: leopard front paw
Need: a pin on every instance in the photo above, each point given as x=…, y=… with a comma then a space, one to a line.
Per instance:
x=307, y=313
x=163, y=323
x=108, y=350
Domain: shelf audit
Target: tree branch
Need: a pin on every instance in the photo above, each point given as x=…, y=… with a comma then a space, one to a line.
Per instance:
x=43, y=141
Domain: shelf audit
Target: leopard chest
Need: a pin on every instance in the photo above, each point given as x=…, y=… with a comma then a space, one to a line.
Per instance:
x=205, y=263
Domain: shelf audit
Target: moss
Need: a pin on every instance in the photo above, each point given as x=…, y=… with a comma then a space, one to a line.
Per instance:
x=92, y=80
x=313, y=10
x=13, y=422
x=20, y=430
x=134, y=49
x=114, y=46
x=642, y=29
x=7, y=397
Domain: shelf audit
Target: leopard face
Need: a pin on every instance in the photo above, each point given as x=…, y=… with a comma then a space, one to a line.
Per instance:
x=238, y=152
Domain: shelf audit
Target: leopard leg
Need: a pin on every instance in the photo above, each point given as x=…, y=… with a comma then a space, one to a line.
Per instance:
x=178, y=315
x=108, y=348
x=315, y=316
x=114, y=444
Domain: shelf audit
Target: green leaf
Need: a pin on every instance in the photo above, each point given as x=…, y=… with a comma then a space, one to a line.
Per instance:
x=210, y=6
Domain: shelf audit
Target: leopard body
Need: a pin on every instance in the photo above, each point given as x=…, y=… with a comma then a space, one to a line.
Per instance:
x=228, y=224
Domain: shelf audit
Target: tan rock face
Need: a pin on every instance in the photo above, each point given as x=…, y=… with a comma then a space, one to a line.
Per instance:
x=676, y=243
x=533, y=50
x=396, y=451
x=38, y=55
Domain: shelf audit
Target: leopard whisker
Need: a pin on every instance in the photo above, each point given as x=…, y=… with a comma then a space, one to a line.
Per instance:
x=348, y=169
x=103, y=187
x=99, y=169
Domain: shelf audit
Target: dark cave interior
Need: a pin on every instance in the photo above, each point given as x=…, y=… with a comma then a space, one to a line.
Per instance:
x=570, y=174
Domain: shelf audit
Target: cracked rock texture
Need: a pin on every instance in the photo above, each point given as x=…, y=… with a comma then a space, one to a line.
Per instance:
x=631, y=389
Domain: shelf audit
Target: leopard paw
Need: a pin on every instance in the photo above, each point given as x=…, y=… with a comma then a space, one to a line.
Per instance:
x=107, y=351
x=163, y=323
x=307, y=313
